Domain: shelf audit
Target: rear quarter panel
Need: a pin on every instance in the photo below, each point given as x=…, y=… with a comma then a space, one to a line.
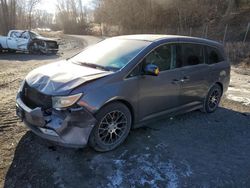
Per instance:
x=220, y=72
x=3, y=42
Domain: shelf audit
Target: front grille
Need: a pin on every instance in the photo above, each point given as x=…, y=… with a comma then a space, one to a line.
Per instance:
x=52, y=44
x=33, y=98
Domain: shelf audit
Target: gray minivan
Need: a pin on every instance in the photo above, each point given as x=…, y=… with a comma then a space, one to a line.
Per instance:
x=120, y=83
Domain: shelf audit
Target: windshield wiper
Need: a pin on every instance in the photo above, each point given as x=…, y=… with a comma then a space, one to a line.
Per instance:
x=92, y=65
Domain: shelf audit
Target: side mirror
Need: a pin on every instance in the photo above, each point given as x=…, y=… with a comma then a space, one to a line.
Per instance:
x=151, y=69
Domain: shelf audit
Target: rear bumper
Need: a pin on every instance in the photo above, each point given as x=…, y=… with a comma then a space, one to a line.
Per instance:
x=69, y=128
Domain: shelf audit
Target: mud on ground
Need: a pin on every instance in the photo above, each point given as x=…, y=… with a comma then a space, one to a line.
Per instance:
x=195, y=149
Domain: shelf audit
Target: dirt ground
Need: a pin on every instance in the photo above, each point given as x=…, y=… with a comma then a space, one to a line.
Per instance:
x=239, y=88
x=195, y=149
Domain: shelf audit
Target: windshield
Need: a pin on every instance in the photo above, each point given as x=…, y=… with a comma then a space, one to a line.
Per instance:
x=33, y=34
x=112, y=54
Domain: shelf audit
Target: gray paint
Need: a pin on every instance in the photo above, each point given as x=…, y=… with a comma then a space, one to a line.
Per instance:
x=174, y=91
x=61, y=77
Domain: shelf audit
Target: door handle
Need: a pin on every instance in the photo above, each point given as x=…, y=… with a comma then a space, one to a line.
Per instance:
x=185, y=79
x=176, y=81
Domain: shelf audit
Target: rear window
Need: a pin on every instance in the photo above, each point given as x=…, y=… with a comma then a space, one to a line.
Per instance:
x=214, y=56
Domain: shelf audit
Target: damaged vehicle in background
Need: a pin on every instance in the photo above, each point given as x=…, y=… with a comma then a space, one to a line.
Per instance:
x=28, y=41
x=97, y=96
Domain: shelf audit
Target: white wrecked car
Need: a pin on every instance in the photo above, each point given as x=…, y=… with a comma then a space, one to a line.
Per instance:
x=28, y=41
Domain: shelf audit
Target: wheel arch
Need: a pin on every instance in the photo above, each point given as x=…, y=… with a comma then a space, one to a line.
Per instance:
x=221, y=86
x=126, y=103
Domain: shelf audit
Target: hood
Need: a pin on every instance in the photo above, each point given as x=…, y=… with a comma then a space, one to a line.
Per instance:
x=61, y=77
x=45, y=39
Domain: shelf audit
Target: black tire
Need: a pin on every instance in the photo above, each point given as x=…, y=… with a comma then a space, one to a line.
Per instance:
x=32, y=48
x=213, y=98
x=43, y=47
x=113, y=125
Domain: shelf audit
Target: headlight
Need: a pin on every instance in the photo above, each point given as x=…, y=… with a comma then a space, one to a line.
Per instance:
x=63, y=102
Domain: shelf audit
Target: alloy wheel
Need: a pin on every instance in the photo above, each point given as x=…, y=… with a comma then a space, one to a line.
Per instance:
x=112, y=127
x=214, y=99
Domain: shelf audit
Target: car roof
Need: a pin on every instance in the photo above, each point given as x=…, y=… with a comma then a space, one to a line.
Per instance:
x=18, y=30
x=155, y=38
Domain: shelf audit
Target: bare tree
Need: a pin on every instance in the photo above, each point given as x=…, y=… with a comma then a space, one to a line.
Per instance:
x=71, y=16
x=31, y=5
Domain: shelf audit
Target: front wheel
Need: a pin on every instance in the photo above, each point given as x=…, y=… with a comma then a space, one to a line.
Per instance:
x=112, y=128
x=213, y=98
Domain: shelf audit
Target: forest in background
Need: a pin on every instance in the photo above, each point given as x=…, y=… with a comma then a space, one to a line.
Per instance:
x=227, y=21
x=25, y=14
x=204, y=18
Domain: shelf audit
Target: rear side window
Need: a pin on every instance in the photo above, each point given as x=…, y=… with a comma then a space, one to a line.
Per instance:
x=214, y=56
x=190, y=54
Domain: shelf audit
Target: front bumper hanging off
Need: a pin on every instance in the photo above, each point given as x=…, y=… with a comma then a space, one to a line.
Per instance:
x=69, y=128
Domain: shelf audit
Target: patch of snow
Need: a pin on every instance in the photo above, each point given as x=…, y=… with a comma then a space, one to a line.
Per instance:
x=151, y=170
x=116, y=179
x=243, y=100
x=169, y=171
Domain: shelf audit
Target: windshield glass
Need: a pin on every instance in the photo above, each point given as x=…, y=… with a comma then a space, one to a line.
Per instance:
x=112, y=54
x=33, y=34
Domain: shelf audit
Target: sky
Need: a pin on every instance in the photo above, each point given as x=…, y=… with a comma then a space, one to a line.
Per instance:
x=50, y=5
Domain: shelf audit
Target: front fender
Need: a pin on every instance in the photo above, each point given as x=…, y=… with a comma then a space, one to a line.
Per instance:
x=126, y=90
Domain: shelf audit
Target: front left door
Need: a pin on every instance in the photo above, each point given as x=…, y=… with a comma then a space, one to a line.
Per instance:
x=159, y=93
x=23, y=40
x=12, y=40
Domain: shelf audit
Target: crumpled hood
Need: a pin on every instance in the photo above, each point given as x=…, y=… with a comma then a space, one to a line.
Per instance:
x=61, y=77
x=46, y=39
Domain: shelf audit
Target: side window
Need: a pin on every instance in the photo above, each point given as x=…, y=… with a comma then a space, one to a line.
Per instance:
x=15, y=34
x=213, y=56
x=161, y=57
x=192, y=54
x=25, y=35
x=135, y=72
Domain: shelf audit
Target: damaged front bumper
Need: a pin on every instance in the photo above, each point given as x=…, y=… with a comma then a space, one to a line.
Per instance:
x=69, y=128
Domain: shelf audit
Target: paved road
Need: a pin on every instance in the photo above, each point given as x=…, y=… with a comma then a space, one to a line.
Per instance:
x=191, y=150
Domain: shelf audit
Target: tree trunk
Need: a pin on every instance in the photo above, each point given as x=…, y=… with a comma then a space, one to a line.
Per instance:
x=5, y=18
x=231, y=6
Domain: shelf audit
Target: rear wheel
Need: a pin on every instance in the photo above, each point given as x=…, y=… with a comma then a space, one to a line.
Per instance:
x=213, y=98
x=112, y=128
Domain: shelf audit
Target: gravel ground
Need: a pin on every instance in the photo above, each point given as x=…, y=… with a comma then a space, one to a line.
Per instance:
x=239, y=88
x=195, y=149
